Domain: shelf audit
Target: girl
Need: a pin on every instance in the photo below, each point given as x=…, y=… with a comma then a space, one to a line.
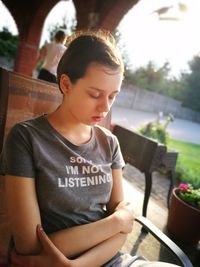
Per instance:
x=65, y=172
x=50, y=55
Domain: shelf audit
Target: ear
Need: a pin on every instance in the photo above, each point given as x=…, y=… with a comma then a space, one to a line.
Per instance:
x=65, y=84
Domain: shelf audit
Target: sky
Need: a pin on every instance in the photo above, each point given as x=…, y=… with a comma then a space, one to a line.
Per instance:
x=144, y=35
x=162, y=40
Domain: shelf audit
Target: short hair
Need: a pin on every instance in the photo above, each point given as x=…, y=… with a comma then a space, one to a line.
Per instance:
x=60, y=35
x=87, y=47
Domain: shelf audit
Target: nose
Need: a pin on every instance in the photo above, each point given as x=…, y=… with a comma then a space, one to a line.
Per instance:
x=104, y=105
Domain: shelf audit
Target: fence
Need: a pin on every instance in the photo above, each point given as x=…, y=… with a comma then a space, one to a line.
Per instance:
x=136, y=98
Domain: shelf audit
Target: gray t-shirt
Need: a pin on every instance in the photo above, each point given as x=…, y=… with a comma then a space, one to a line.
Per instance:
x=73, y=183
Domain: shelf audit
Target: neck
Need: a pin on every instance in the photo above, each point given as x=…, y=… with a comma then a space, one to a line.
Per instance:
x=76, y=132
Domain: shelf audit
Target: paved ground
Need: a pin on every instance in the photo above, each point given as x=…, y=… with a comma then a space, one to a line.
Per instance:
x=179, y=129
x=147, y=246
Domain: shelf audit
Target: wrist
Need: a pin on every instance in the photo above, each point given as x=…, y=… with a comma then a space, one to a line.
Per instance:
x=116, y=221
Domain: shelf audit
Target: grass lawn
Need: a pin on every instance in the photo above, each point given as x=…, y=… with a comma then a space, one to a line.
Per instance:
x=188, y=165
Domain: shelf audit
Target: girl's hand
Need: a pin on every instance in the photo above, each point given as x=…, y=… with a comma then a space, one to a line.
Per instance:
x=125, y=215
x=49, y=256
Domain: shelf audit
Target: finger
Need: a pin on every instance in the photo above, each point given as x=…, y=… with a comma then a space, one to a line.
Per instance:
x=46, y=243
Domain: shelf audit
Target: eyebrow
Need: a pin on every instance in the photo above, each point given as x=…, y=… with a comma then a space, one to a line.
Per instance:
x=101, y=90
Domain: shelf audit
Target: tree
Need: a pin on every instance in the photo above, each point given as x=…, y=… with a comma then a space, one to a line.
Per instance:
x=121, y=45
x=192, y=84
x=8, y=43
x=149, y=77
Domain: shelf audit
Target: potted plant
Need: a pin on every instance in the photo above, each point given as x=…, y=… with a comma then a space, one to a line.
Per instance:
x=184, y=214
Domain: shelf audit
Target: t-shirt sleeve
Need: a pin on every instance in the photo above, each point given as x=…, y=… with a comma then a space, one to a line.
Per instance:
x=117, y=158
x=16, y=158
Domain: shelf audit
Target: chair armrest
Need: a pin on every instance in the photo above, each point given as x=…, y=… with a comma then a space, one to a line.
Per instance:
x=166, y=241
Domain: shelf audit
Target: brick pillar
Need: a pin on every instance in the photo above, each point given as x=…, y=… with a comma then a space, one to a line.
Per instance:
x=25, y=58
x=29, y=40
x=29, y=17
x=112, y=14
x=101, y=14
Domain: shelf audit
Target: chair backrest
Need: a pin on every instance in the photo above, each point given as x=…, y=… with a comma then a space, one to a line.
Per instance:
x=23, y=97
x=137, y=149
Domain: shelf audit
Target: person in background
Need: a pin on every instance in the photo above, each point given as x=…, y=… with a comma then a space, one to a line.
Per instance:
x=50, y=55
x=64, y=172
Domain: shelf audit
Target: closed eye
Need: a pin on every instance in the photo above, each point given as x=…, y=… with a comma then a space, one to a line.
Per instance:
x=97, y=93
x=113, y=96
x=95, y=96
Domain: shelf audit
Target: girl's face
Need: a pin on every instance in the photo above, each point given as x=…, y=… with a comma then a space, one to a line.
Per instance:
x=91, y=97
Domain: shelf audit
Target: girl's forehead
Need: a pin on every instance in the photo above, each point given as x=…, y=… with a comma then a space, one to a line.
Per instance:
x=102, y=78
x=105, y=68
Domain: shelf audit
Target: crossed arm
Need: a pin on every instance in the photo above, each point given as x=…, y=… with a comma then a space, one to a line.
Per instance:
x=89, y=245
x=51, y=256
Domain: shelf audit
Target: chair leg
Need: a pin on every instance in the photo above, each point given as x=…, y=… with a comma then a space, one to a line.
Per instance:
x=171, y=174
x=148, y=185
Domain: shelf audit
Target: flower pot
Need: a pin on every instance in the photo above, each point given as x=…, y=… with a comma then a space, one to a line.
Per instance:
x=183, y=220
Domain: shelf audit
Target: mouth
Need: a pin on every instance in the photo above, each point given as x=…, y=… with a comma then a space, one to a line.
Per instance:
x=97, y=118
